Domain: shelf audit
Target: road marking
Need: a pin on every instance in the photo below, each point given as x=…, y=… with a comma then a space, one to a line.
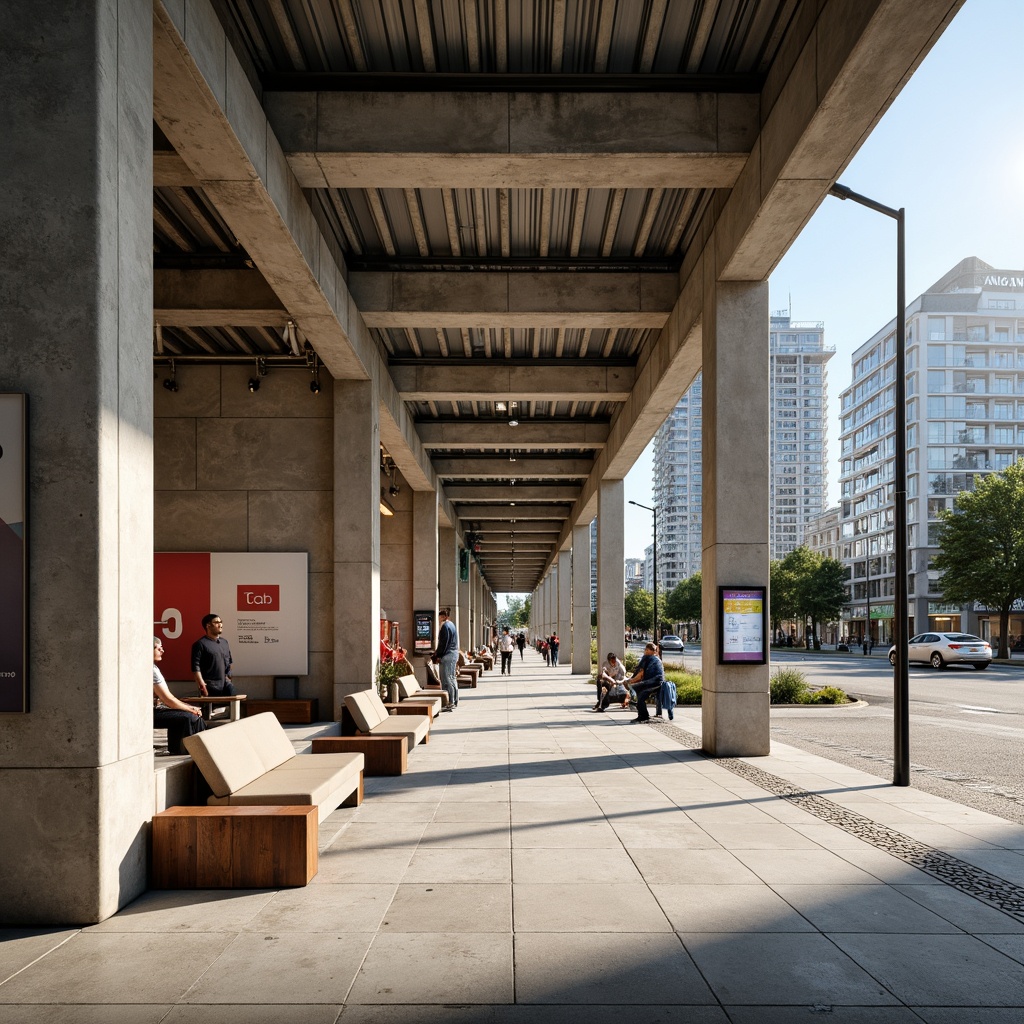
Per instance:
x=974, y=709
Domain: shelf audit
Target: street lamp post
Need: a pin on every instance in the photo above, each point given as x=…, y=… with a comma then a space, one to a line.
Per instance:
x=655, y=563
x=901, y=625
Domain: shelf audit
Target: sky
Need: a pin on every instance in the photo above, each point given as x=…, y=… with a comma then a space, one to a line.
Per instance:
x=950, y=150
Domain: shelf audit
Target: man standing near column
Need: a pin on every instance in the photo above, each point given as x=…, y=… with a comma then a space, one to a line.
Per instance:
x=211, y=660
x=446, y=654
x=506, y=645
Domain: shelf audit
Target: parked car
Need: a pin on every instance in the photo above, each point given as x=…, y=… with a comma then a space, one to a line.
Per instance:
x=671, y=643
x=942, y=649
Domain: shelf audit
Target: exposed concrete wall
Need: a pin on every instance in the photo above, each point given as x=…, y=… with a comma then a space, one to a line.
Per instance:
x=76, y=772
x=397, y=577
x=581, y=599
x=611, y=615
x=237, y=471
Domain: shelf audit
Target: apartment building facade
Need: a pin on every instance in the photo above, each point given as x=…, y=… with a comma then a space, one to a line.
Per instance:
x=965, y=418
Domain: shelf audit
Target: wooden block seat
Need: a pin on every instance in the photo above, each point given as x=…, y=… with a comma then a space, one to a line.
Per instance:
x=289, y=711
x=371, y=718
x=209, y=703
x=247, y=847
x=252, y=761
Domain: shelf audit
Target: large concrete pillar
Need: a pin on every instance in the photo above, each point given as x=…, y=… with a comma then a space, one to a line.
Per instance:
x=462, y=625
x=447, y=574
x=357, y=514
x=735, y=504
x=396, y=562
x=76, y=319
x=564, y=606
x=425, y=558
x=611, y=554
x=581, y=600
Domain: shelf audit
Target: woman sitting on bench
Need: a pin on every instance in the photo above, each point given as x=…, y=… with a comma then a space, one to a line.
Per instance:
x=177, y=717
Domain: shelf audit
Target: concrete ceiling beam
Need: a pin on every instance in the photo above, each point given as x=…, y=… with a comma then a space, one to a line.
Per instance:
x=483, y=468
x=411, y=299
x=514, y=382
x=569, y=139
x=489, y=492
x=205, y=106
x=215, y=298
x=527, y=436
x=506, y=513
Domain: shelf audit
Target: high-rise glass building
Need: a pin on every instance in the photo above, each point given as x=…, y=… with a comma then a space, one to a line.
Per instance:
x=797, y=452
x=965, y=418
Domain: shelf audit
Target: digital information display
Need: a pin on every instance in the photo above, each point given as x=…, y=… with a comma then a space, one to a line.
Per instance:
x=742, y=625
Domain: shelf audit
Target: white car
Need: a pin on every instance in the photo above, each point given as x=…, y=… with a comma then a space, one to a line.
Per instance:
x=671, y=643
x=942, y=649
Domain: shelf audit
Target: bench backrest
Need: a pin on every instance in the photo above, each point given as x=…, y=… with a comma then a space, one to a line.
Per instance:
x=366, y=709
x=237, y=753
x=408, y=686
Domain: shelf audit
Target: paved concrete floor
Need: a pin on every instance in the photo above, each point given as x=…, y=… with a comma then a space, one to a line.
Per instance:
x=546, y=865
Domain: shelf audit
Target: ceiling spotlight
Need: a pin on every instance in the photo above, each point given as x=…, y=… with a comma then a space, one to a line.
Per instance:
x=171, y=384
x=261, y=372
x=291, y=338
x=393, y=490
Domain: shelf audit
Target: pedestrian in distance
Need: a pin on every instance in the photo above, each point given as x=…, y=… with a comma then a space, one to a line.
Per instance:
x=521, y=644
x=506, y=646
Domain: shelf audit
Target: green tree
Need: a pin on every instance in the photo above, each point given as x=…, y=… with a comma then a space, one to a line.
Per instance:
x=981, y=546
x=783, y=602
x=823, y=593
x=683, y=603
x=639, y=608
x=516, y=613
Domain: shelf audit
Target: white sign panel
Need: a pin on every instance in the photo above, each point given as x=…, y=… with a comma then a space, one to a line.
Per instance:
x=262, y=598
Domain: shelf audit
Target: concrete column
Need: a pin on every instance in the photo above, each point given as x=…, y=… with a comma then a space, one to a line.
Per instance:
x=581, y=600
x=447, y=571
x=76, y=772
x=611, y=554
x=735, y=504
x=396, y=561
x=357, y=599
x=564, y=606
x=425, y=560
x=462, y=625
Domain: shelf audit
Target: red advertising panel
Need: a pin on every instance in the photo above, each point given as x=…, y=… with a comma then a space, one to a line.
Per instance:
x=13, y=553
x=181, y=592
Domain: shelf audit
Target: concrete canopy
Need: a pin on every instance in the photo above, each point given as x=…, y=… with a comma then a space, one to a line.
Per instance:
x=483, y=211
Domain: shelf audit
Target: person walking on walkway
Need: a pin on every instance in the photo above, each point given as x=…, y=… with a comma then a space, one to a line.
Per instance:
x=505, y=647
x=446, y=654
x=647, y=679
x=553, y=644
x=521, y=644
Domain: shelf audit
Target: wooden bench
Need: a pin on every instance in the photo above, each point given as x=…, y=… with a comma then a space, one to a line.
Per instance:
x=297, y=711
x=253, y=762
x=266, y=847
x=233, y=704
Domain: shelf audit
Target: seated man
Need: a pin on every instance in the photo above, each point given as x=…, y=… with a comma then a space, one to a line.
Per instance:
x=177, y=717
x=611, y=676
x=647, y=679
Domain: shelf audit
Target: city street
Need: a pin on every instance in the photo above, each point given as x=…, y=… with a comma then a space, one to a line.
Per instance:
x=966, y=727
